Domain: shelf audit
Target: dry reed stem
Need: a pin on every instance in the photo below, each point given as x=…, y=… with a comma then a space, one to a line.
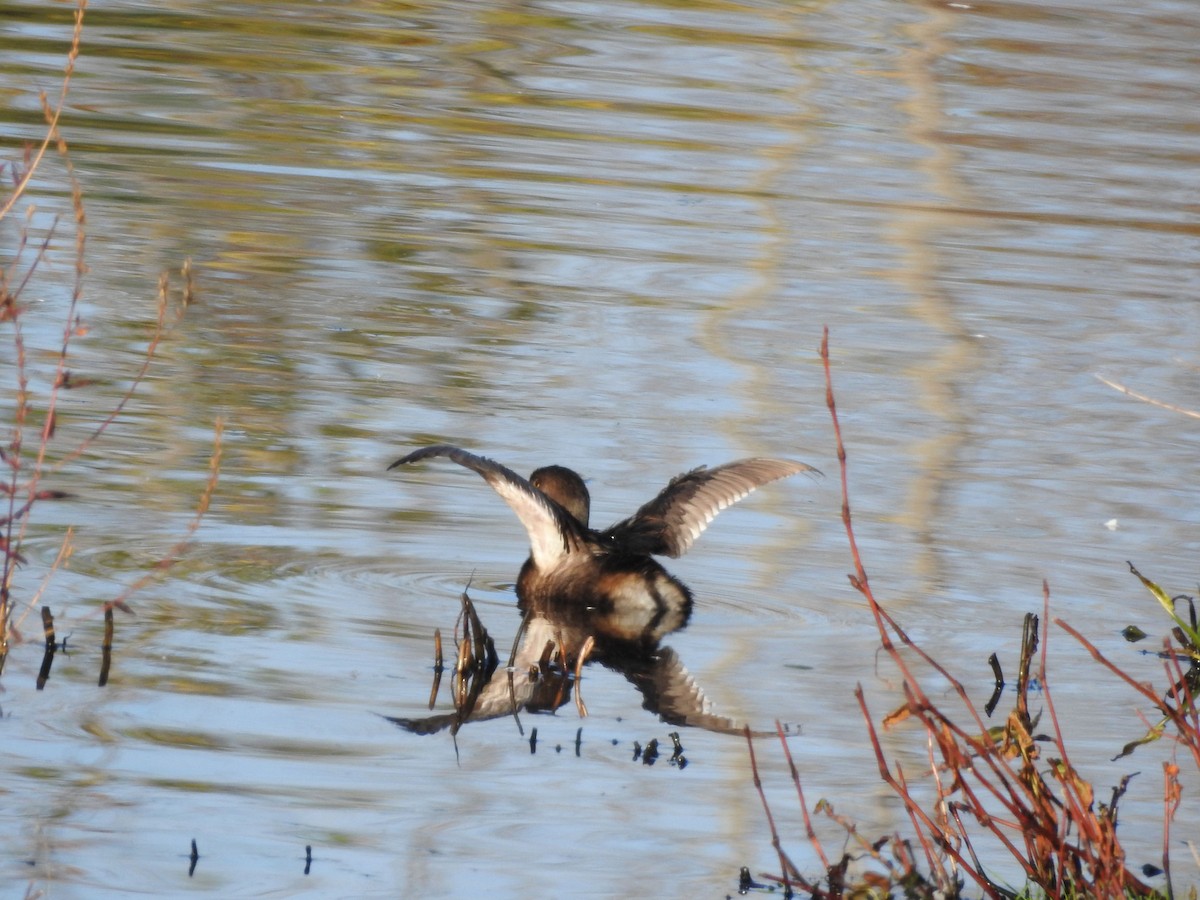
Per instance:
x=64, y=553
x=1129, y=392
x=55, y=112
x=584, y=652
x=1172, y=797
x=17, y=521
x=25, y=477
x=439, y=666
x=810, y=832
x=786, y=868
x=106, y=647
x=160, y=329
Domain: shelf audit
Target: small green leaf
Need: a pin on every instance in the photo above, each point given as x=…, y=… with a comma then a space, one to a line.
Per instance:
x=1168, y=604
x=1148, y=738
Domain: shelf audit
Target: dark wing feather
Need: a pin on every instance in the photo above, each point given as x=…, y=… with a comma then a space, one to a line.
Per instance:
x=670, y=523
x=553, y=532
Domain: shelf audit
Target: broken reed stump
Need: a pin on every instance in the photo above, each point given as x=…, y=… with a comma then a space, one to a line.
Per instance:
x=51, y=646
x=106, y=647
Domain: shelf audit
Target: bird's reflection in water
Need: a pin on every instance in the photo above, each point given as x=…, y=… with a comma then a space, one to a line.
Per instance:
x=554, y=643
x=593, y=596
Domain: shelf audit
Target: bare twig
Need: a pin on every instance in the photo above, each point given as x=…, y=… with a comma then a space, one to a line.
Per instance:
x=55, y=112
x=808, y=826
x=1115, y=385
x=173, y=555
x=786, y=868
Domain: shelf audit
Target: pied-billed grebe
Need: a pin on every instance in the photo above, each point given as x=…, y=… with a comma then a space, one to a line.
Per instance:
x=609, y=576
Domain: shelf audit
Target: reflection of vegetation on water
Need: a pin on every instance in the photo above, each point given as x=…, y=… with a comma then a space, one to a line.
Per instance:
x=42, y=376
x=992, y=788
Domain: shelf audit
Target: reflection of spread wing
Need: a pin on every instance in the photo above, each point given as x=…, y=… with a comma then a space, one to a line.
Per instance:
x=553, y=532
x=506, y=693
x=496, y=700
x=427, y=725
x=670, y=523
x=668, y=689
x=671, y=693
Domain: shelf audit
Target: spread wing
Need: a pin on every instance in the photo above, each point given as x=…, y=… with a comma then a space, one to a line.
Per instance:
x=553, y=532
x=670, y=523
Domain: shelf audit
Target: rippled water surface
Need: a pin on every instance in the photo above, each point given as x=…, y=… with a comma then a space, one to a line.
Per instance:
x=606, y=235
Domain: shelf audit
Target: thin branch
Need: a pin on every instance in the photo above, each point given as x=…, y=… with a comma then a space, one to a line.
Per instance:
x=1145, y=399
x=55, y=114
x=64, y=553
x=160, y=329
x=808, y=826
x=173, y=555
x=786, y=868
